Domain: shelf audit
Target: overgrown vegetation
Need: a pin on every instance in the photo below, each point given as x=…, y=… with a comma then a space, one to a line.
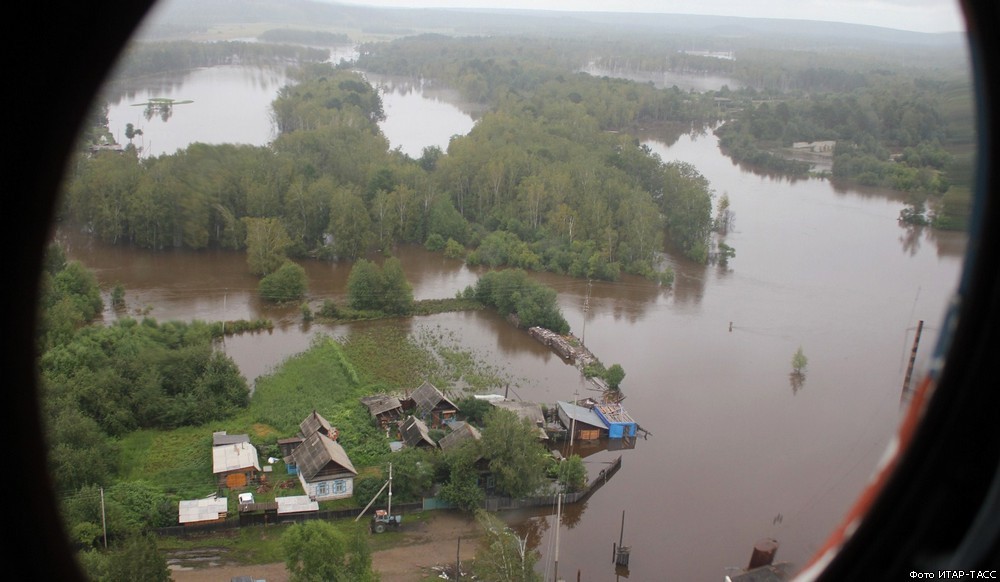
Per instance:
x=517, y=296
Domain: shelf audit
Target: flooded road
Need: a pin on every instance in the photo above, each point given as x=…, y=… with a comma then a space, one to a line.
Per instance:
x=736, y=451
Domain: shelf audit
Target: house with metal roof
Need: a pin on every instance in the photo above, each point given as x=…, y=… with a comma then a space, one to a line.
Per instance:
x=325, y=471
x=414, y=433
x=384, y=408
x=431, y=405
x=235, y=465
x=584, y=422
x=200, y=511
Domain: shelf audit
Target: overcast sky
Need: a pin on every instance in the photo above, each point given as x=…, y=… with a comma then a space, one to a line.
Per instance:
x=917, y=15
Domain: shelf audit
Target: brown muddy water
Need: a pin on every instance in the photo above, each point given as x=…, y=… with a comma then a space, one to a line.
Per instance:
x=735, y=452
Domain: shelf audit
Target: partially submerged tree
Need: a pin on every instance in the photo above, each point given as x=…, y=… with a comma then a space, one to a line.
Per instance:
x=267, y=242
x=288, y=283
x=799, y=361
x=614, y=376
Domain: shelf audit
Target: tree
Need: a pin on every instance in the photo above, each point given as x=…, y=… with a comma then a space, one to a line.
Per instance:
x=267, y=242
x=799, y=361
x=614, y=376
x=516, y=458
x=138, y=559
x=350, y=224
x=572, y=474
x=374, y=288
x=503, y=556
x=314, y=552
x=288, y=283
x=364, y=286
x=397, y=294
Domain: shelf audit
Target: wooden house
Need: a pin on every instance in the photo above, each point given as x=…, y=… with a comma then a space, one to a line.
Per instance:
x=316, y=423
x=530, y=411
x=235, y=465
x=385, y=409
x=414, y=433
x=583, y=421
x=459, y=435
x=430, y=405
x=325, y=471
x=311, y=424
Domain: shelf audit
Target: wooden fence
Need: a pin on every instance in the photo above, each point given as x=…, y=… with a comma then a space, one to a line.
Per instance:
x=505, y=503
x=491, y=504
x=258, y=519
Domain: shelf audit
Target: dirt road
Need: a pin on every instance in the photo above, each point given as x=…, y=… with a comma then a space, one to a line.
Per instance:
x=428, y=543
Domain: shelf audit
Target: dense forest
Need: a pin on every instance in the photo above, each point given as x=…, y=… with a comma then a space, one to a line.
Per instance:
x=544, y=181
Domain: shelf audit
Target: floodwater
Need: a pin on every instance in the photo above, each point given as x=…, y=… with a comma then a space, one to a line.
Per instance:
x=736, y=452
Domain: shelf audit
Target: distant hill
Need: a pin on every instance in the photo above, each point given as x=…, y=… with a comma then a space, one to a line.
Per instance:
x=187, y=18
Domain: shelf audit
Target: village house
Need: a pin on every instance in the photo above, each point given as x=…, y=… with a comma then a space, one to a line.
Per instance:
x=316, y=423
x=234, y=460
x=461, y=433
x=324, y=469
x=530, y=411
x=312, y=423
x=385, y=409
x=583, y=421
x=430, y=404
x=414, y=433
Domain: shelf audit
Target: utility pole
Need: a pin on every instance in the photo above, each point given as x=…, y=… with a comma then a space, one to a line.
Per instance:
x=586, y=308
x=913, y=357
x=458, y=560
x=572, y=422
x=555, y=575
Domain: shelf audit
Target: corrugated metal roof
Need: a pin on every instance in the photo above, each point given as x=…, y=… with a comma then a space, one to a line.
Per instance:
x=581, y=414
x=317, y=452
x=234, y=457
x=207, y=509
x=296, y=504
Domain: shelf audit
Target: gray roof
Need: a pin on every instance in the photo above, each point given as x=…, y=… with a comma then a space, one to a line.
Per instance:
x=318, y=452
x=235, y=457
x=463, y=433
x=581, y=414
x=221, y=438
x=207, y=509
x=427, y=398
x=415, y=432
x=530, y=410
x=314, y=422
x=296, y=504
x=381, y=403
